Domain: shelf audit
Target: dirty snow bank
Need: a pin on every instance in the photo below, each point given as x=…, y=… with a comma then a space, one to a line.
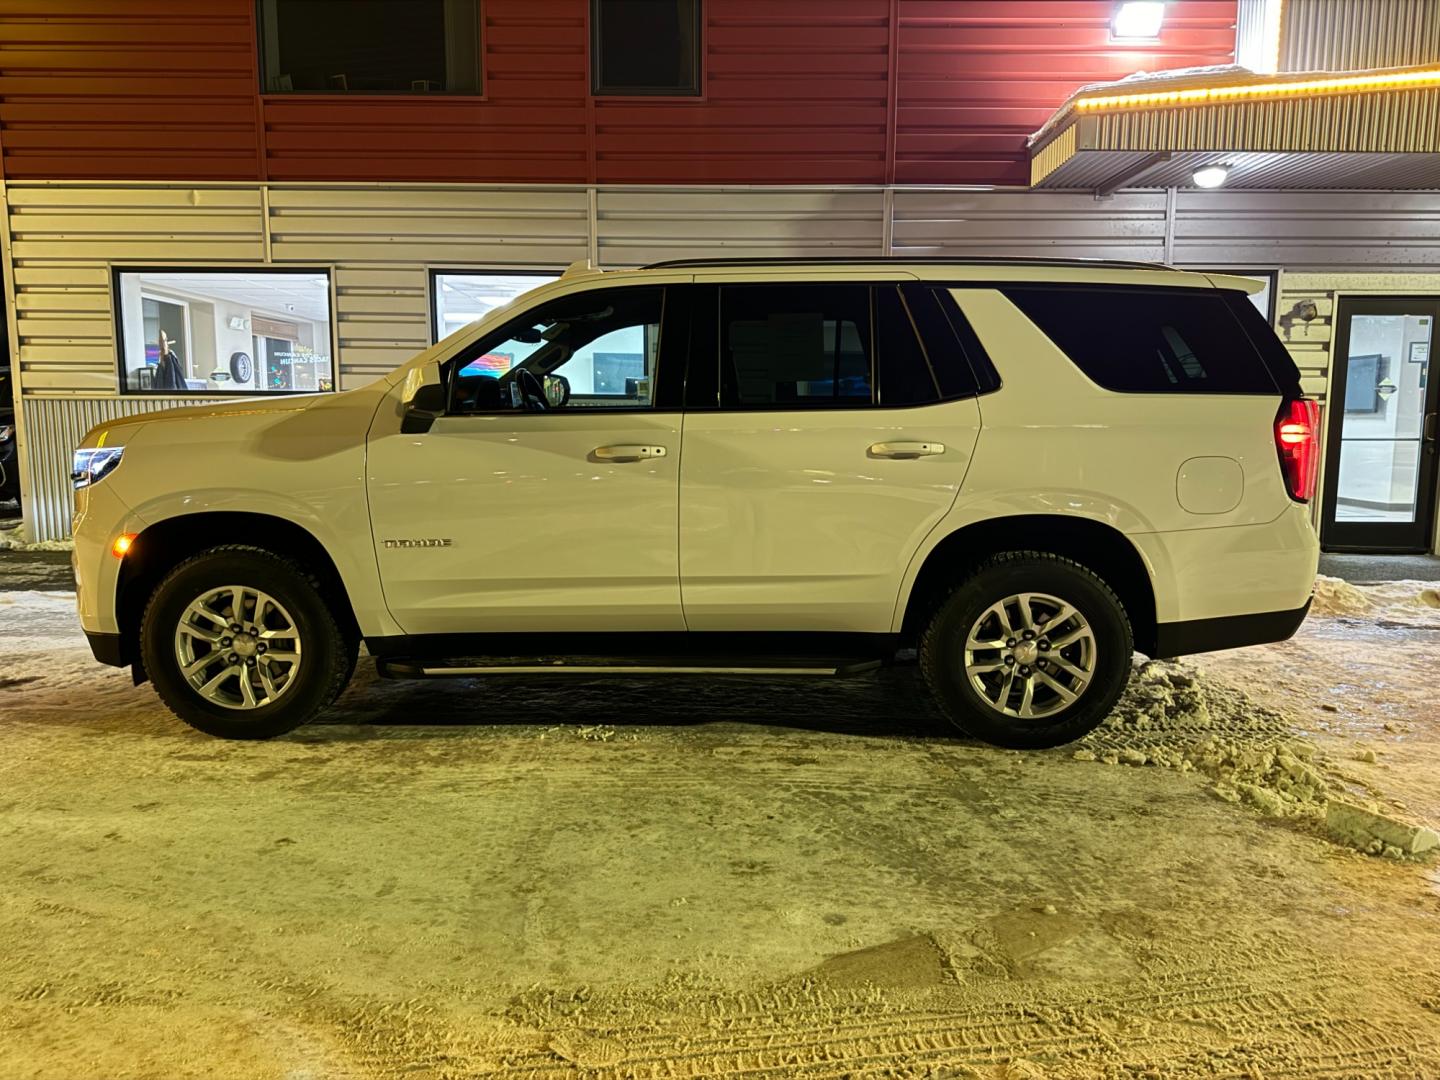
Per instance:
x=1334, y=596
x=12, y=540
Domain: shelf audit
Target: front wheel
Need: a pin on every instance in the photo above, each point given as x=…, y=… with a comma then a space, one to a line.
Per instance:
x=240, y=643
x=1031, y=651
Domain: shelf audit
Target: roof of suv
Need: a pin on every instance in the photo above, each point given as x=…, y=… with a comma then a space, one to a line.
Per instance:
x=972, y=269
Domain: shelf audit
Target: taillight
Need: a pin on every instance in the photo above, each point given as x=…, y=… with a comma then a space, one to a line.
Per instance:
x=1297, y=438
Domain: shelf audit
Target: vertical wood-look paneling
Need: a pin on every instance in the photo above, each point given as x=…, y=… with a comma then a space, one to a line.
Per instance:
x=134, y=89
x=976, y=77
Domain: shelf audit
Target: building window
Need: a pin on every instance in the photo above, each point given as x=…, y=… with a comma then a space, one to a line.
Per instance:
x=645, y=46
x=370, y=46
x=461, y=297
x=216, y=332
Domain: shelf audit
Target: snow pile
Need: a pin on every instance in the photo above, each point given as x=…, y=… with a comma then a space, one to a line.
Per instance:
x=12, y=540
x=1168, y=717
x=1336, y=597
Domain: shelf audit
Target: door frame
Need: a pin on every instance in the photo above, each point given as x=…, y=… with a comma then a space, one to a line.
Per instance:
x=1380, y=537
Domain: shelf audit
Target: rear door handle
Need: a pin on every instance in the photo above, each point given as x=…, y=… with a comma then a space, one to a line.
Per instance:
x=626, y=452
x=905, y=450
x=1430, y=426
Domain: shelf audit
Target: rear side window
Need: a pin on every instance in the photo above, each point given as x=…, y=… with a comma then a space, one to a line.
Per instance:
x=1150, y=340
x=905, y=377
x=795, y=346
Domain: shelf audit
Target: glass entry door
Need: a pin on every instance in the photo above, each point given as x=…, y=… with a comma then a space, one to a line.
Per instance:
x=1380, y=460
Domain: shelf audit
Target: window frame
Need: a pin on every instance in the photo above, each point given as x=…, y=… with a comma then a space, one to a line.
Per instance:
x=262, y=74
x=662, y=93
x=433, y=274
x=117, y=321
x=665, y=393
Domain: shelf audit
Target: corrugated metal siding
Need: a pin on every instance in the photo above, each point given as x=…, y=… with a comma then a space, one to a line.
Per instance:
x=794, y=92
x=53, y=428
x=1309, y=230
x=639, y=226
x=127, y=88
x=62, y=236
x=531, y=125
x=1355, y=35
x=1128, y=226
x=977, y=77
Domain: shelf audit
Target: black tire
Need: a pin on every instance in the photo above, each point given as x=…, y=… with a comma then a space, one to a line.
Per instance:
x=943, y=648
x=328, y=653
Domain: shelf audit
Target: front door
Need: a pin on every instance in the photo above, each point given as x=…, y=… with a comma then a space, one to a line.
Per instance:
x=542, y=503
x=1380, y=470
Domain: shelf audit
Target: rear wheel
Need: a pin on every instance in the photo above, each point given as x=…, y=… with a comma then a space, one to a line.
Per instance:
x=1031, y=651
x=240, y=643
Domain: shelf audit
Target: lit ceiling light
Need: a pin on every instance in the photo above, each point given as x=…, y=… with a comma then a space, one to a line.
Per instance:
x=1210, y=176
x=1137, y=20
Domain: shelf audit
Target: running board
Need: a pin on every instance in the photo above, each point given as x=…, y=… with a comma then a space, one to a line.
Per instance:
x=768, y=667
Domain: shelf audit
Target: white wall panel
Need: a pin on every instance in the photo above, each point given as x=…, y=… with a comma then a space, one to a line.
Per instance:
x=639, y=226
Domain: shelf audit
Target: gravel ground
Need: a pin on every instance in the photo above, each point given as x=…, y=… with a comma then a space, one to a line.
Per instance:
x=764, y=879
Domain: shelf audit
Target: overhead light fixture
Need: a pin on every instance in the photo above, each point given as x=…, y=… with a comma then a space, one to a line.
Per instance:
x=1137, y=20
x=1210, y=176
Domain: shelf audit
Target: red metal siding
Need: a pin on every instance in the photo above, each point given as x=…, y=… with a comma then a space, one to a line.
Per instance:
x=796, y=91
x=136, y=89
x=976, y=77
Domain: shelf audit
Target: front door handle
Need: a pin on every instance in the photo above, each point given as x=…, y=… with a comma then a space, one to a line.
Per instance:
x=905, y=450
x=626, y=452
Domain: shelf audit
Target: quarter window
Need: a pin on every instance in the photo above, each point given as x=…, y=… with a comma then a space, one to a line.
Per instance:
x=224, y=332
x=645, y=46
x=1149, y=340
x=370, y=46
x=592, y=350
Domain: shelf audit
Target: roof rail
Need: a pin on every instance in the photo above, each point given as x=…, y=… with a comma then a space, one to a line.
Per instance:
x=911, y=260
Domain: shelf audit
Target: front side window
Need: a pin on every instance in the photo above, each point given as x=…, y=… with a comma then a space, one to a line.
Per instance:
x=795, y=346
x=645, y=46
x=597, y=349
x=370, y=46
x=215, y=332
x=1136, y=340
x=462, y=297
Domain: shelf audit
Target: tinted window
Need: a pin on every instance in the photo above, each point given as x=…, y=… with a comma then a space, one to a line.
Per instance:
x=905, y=377
x=961, y=366
x=1272, y=350
x=593, y=350
x=795, y=346
x=645, y=46
x=1150, y=340
x=370, y=46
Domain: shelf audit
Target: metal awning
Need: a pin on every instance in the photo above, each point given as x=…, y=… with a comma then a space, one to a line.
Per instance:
x=1366, y=129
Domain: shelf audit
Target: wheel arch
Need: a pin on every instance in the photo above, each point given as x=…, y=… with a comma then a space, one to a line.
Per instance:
x=1099, y=547
x=162, y=546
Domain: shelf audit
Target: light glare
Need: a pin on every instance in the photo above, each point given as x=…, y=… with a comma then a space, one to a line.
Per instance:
x=1138, y=20
x=1211, y=176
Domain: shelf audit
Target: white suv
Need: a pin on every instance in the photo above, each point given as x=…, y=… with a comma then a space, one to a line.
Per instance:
x=1024, y=470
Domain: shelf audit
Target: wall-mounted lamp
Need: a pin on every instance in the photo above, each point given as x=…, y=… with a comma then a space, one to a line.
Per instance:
x=1137, y=20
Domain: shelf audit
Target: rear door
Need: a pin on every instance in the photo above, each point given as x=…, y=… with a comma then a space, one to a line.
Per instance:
x=824, y=438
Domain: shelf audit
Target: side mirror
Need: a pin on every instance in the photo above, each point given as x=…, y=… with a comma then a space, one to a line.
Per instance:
x=425, y=405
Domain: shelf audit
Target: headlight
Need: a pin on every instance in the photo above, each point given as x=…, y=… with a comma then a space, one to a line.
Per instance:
x=93, y=465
